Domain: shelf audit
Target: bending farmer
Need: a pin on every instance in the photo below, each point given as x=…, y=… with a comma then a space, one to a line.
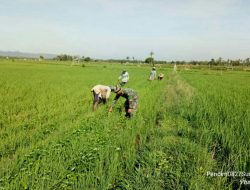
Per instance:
x=101, y=93
x=131, y=102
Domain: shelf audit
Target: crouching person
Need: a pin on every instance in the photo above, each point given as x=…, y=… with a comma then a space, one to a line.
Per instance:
x=131, y=102
x=101, y=94
x=160, y=77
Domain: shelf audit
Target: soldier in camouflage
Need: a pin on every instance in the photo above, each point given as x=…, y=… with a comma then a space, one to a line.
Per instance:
x=131, y=102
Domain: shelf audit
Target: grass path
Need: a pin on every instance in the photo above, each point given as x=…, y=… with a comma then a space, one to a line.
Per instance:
x=170, y=159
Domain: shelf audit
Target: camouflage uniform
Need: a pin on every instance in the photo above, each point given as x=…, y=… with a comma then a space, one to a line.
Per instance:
x=131, y=100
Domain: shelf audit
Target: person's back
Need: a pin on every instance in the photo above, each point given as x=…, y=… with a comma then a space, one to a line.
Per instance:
x=101, y=93
x=129, y=92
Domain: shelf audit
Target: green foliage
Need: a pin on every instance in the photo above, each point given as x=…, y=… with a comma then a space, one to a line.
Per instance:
x=87, y=59
x=222, y=109
x=64, y=57
x=149, y=60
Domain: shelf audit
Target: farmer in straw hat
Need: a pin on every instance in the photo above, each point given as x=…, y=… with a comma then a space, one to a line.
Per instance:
x=160, y=76
x=131, y=102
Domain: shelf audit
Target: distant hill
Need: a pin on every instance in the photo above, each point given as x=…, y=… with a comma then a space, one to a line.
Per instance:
x=26, y=55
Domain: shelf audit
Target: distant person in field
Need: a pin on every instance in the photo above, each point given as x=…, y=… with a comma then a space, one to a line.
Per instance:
x=123, y=78
x=175, y=68
x=160, y=77
x=153, y=74
x=131, y=102
x=101, y=94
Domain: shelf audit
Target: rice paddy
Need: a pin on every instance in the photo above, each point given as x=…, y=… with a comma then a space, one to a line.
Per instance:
x=188, y=124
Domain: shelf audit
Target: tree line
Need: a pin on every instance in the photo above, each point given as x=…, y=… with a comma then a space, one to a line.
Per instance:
x=65, y=57
x=149, y=60
x=212, y=62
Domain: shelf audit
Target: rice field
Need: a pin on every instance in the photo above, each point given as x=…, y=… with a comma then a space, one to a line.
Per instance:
x=192, y=122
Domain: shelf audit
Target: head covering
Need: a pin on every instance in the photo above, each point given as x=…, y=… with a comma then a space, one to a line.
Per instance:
x=117, y=88
x=112, y=88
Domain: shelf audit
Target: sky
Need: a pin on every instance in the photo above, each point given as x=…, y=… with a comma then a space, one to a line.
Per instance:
x=116, y=29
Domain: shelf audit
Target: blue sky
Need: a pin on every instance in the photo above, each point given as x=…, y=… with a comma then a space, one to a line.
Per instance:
x=172, y=29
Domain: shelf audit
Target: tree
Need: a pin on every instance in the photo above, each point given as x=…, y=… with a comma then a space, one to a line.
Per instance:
x=236, y=62
x=212, y=62
x=151, y=54
x=219, y=61
x=149, y=60
x=247, y=61
x=64, y=57
x=87, y=59
x=152, y=59
x=133, y=58
x=41, y=57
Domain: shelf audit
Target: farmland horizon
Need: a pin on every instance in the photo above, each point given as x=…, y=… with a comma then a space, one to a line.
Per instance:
x=48, y=55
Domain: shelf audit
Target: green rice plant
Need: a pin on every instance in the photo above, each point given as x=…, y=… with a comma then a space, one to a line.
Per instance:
x=56, y=141
x=51, y=139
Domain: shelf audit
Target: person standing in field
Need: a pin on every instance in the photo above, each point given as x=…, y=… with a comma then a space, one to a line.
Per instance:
x=131, y=102
x=153, y=74
x=123, y=78
x=175, y=68
x=101, y=93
